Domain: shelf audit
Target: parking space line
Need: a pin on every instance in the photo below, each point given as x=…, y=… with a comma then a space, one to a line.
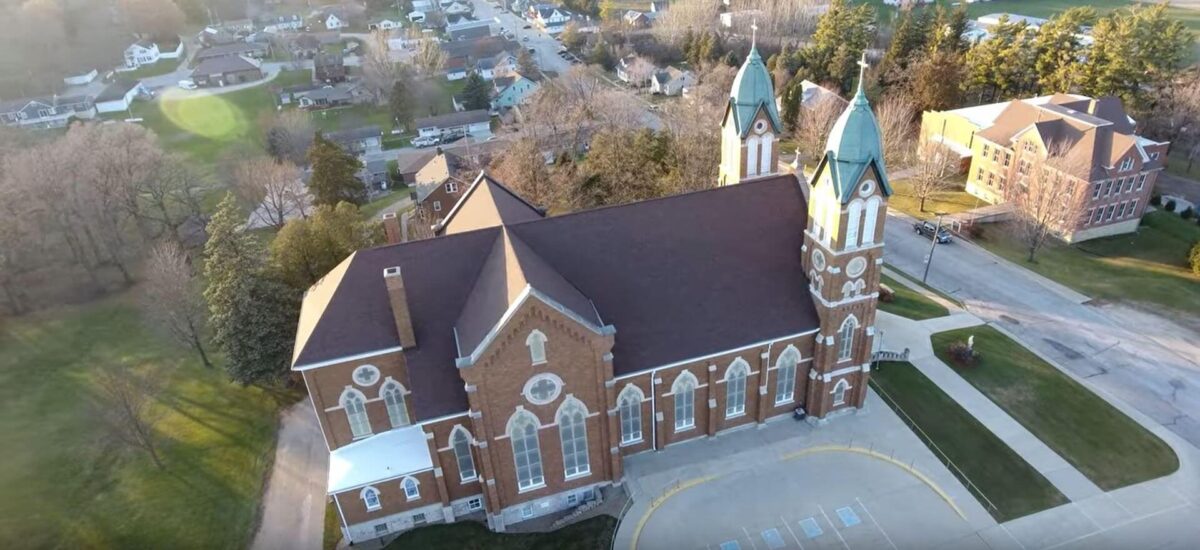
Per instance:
x=1010, y=535
x=1089, y=518
x=877, y=525
x=835, y=529
x=789, y=528
x=750, y=538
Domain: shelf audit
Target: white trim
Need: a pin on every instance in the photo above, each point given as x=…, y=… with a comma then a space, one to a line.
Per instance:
x=528, y=291
x=717, y=354
x=829, y=250
x=346, y=359
x=319, y=421
x=380, y=481
x=378, y=498
x=416, y=485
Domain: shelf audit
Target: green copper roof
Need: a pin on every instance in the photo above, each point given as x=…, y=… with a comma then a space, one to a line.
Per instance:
x=753, y=90
x=854, y=143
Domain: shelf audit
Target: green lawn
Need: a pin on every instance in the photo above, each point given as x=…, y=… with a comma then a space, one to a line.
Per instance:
x=333, y=527
x=910, y=303
x=1009, y=486
x=370, y=211
x=913, y=280
x=154, y=69
x=591, y=534
x=66, y=485
x=1109, y=448
x=328, y=120
x=950, y=202
x=1148, y=266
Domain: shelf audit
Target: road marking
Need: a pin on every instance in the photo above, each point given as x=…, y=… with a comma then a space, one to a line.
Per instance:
x=1112, y=526
x=773, y=539
x=1010, y=535
x=656, y=502
x=848, y=517
x=731, y=545
x=811, y=529
x=750, y=538
x=789, y=528
x=877, y=525
x=835, y=529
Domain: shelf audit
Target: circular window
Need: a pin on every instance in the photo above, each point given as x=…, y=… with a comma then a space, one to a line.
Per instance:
x=543, y=388
x=760, y=126
x=818, y=258
x=866, y=188
x=856, y=266
x=366, y=375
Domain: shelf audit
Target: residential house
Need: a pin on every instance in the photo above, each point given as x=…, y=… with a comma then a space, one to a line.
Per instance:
x=469, y=30
x=329, y=68
x=213, y=36
x=464, y=56
x=384, y=24
x=549, y=18
x=280, y=23
x=236, y=26
x=635, y=70
x=358, y=141
x=148, y=52
x=459, y=9
x=1091, y=142
x=81, y=76
x=374, y=175
x=119, y=95
x=510, y=91
x=226, y=71
x=511, y=378
x=442, y=180
x=251, y=50
x=671, y=81
x=304, y=46
x=329, y=96
x=332, y=22
x=636, y=20
x=477, y=124
x=46, y=112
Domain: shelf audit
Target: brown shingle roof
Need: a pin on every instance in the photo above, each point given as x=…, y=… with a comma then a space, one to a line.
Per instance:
x=678, y=277
x=487, y=203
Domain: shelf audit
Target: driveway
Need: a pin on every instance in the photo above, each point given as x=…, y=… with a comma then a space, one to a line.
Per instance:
x=1143, y=359
x=293, y=508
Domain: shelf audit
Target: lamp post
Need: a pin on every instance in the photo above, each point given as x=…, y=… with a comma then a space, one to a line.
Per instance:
x=932, y=246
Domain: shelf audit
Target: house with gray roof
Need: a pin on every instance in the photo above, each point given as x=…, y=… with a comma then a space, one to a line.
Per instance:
x=226, y=71
x=46, y=112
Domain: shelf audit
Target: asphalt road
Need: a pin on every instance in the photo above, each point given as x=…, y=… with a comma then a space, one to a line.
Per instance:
x=1146, y=360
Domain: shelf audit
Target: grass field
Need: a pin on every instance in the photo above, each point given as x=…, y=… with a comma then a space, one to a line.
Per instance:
x=591, y=534
x=67, y=486
x=154, y=69
x=910, y=303
x=1148, y=266
x=1108, y=447
x=1011, y=488
x=950, y=202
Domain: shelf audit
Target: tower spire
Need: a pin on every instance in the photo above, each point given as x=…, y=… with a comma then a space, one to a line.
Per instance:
x=754, y=33
x=862, y=73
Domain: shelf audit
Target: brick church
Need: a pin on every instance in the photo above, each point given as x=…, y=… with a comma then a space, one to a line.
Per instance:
x=502, y=370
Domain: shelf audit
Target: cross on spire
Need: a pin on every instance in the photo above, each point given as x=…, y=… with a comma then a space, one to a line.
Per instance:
x=862, y=71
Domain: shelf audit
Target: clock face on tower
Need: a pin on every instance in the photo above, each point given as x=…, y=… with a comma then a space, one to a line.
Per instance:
x=856, y=266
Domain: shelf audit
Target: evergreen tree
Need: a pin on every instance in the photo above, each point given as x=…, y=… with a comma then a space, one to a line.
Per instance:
x=908, y=40
x=1059, y=49
x=307, y=248
x=934, y=84
x=400, y=103
x=1133, y=52
x=526, y=65
x=334, y=174
x=843, y=33
x=1002, y=66
x=609, y=10
x=253, y=316
x=601, y=56
x=946, y=31
x=477, y=93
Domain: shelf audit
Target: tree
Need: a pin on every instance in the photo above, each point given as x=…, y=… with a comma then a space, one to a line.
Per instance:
x=1194, y=258
x=253, y=316
x=639, y=71
x=1174, y=115
x=934, y=82
x=1046, y=197
x=171, y=301
x=571, y=38
x=1002, y=66
x=526, y=64
x=842, y=34
x=476, y=92
x=378, y=69
x=895, y=115
x=600, y=55
x=334, y=174
x=946, y=32
x=288, y=136
x=609, y=10
x=274, y=189
x=125, y=408
x=172, y=199
x=523, y=168
x=1135, y=51
x=908, y=40
x=400, y=103
x=1059, y=48
x=153, y=18
x=429, y=58
x=813, y=124
x=932, y=173
x=306, y=249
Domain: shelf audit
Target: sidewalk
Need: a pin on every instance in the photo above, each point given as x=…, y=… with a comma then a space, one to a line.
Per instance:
x=293, y=508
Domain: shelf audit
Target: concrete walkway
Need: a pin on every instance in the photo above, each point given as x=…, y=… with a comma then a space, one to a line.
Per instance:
x=293, y=508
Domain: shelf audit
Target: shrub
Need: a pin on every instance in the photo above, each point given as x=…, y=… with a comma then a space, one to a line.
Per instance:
x=1155, y=200
x=1194, y=258
x=886, y=294
x=1170, y=206
x=1187, y=213
x=974, y=230
x=962, y=354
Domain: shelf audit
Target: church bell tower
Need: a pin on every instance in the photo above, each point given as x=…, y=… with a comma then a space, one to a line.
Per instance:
x=843, y=256
x=751, y=126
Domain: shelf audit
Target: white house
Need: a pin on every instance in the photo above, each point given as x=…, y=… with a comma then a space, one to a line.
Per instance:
x=333, y=22
x=149, y=52
x=458, y=8
x=81, y=77
x=385, y=24
x=417, y=17
x=549, y=18
x=281, y=23
x=671, y=81
x=119, y=95
x=476, y=123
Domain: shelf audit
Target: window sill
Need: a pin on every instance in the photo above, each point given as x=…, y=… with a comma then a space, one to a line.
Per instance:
x=410, y=499
x=375, y=509
x=679, y=429
x=531, y=488
x=471, y=479
x=586, y=473
x=729, y=415
x=631, y=442
x=787, y=401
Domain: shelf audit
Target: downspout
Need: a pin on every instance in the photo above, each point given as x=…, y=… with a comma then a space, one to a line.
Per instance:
x=653, y=411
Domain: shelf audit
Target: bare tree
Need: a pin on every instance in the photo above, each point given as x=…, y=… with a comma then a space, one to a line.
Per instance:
x=153, y=17
x=429, y=57
x=1047, y=197
x=274, y=188
x=896, y=115
x=172, y=198
x=932, y=172
x=672, y=24
x=379, y=71
x=813, y=124
x=171, y=300
x=640, y=70
x=125, y=407
x=523, y=168
x=288, y=136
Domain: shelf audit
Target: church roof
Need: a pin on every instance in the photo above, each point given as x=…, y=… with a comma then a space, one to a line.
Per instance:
x=855, y=143
x=487, y=203
x=753, y=91
x=672, y=288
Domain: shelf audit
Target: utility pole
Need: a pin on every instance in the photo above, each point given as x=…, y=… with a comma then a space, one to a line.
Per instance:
x=933, y=246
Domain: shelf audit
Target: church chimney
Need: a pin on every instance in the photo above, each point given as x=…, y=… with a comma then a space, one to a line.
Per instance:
x=391, y=228
x=399, y=300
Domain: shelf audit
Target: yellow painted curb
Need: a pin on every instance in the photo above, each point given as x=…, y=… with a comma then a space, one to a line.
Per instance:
x=657, y=501
x=880, y=456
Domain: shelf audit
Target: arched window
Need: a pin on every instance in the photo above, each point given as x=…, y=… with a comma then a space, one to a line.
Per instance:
x=527, y=455
x=460, y=441
x=872, y=217
x=785, y=375
x=846, y=338
x=683, y=391
x=630, y=405
x=735, y=388
x=847, y=290
x=764, y=163
x=355, y=405
x=370, y=497
x=752, y=147
x=393, y=396
x=572, y=429
x=412, y=489
x=537, y=347
x=839, y=392
x=853, y=217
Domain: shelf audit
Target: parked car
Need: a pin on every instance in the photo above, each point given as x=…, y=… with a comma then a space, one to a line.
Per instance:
x=525, y=39
x=187, y=84
x=929, y=229
x=425, y=141
x=527, y=27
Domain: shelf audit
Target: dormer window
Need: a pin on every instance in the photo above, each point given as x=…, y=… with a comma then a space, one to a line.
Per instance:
x=537, y=347
x=1127, y=164
x=451, y=186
